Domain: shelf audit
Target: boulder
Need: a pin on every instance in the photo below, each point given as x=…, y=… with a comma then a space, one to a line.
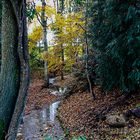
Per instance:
x=116, y=121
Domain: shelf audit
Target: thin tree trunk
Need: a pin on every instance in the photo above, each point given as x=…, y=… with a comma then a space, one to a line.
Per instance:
x=62, y=59
x=87, y=54
x=62, y=47
x=54, y=3
x=44, y=23
x=57, y=5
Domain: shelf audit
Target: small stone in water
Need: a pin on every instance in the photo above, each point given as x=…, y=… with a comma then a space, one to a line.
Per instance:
x=47, y=128
x=19, y=134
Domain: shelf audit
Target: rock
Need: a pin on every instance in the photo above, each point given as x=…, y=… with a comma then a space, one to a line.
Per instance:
x=46, y=128
x=116, y=121
x=63, y=90
x=19, y=136
x=56, y=93
x=131, y=124
x=128, y=114
x=133, y=112
x=136, y=112
x=51, y=80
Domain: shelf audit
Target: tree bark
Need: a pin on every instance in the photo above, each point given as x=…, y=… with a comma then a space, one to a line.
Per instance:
x=62, y=47
x=10, y=69
x=87, y=53
x=24, y=61
x=0, y=31
x=62, y=59
x=14, y=78
x=44, y=23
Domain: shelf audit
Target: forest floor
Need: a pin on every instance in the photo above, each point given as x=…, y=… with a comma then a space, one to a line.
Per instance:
x=77, y=111
x=38, y=96
x=39, y=121
x=77, y=115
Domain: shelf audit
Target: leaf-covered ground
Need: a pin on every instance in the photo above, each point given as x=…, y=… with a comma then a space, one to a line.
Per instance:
x=38, y=96
x=77, y=114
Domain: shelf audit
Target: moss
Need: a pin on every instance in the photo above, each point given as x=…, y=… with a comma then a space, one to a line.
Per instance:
x=2, y=128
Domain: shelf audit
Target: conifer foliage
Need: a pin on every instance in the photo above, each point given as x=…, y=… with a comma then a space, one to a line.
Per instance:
x=115, y=31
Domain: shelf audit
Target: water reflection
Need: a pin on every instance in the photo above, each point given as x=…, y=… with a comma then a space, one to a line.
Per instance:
x=53, y=111
x=51, y=80
x=42, y=122
x=62, y=90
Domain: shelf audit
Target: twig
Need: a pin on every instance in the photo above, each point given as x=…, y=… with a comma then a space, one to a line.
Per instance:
x=38, y=15
x=83, y=29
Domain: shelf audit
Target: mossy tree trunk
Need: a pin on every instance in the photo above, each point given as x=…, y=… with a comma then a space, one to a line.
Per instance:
x=10, y=69
x=0, y=30
x=14, y=76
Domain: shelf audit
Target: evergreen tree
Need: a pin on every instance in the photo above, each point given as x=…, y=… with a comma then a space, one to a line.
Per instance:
x=116, y=38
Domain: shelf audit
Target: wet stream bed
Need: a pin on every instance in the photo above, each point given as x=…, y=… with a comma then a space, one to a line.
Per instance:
x=41, y=124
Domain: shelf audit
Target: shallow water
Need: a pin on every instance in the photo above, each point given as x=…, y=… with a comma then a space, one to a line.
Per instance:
x=41, y=125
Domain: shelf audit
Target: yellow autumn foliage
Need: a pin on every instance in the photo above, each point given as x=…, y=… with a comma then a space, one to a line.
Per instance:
x=48, y=10
x=35, y=36
x=69, y=35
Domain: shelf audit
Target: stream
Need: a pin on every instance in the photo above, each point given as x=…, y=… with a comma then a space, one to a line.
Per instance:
x=41, y=124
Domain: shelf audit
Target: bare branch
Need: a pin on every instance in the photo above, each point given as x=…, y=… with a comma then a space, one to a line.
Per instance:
x=38, y=16
x=83, y=29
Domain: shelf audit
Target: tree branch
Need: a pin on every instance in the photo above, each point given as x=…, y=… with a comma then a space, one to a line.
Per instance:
x=84, y=29
x=38, y=16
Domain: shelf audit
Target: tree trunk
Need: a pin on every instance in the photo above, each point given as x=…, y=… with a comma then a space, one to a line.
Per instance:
x=10, y=69
x=87, y=52
x=57, y=6
x=44, y=23
x=14, y=78
x=62, y=59
x=24, y=61
x=0, y=31
x=62, y=47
